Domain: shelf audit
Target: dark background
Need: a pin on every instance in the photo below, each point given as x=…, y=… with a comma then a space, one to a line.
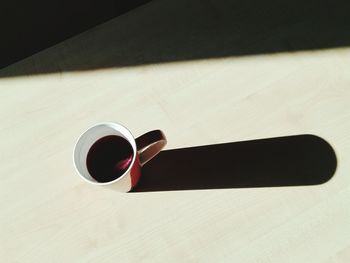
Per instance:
x=163, y=31
x=30, y=26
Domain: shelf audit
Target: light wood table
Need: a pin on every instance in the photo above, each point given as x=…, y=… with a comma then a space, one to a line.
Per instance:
x=48, y=214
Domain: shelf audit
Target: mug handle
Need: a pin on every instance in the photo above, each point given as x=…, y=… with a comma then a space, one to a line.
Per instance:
x=149, y=145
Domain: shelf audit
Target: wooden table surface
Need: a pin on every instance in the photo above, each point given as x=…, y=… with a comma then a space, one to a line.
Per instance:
x=48, y=214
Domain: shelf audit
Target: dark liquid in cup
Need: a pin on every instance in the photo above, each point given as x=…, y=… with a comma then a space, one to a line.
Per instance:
x=109, y=158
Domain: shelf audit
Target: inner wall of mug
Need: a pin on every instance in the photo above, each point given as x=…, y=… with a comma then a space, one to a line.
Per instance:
x=93, y=134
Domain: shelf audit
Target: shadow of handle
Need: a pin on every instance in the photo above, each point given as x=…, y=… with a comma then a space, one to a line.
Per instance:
x=283, y=161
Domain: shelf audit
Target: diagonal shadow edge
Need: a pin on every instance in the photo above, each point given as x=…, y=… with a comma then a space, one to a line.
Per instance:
x=169, y=31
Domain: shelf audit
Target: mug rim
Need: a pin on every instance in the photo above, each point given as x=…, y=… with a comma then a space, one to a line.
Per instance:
x=113, y=125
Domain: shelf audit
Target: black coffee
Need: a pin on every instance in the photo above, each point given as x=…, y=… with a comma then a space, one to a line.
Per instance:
x=109, y=158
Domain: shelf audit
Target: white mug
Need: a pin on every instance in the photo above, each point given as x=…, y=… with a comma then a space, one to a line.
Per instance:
x=144, y=149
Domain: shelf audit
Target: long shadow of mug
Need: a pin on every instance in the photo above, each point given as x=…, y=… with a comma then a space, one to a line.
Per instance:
x=283, y=161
